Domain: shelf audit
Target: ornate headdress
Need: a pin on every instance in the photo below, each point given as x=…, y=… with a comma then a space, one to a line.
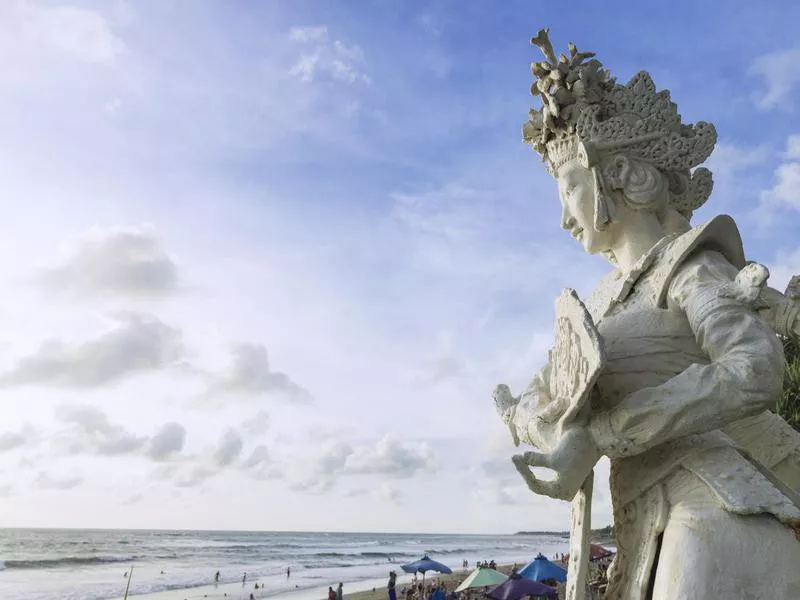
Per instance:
x=586, y=114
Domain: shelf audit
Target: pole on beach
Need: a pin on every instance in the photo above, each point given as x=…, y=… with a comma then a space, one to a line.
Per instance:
x=128, y=585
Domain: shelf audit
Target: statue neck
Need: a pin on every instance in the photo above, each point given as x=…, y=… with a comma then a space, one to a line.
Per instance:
x=638, y=232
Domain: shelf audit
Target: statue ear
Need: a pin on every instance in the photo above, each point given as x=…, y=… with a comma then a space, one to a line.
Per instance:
x=617, y=171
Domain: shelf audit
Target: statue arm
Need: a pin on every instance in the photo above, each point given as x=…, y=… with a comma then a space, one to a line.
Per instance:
x=743, y=377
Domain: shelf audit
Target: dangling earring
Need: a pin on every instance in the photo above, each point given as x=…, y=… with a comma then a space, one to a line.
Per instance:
x=603, y=205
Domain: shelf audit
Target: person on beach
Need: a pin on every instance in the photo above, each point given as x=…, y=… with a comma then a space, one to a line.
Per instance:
x=216, y=578
x=244, y=578
x=288, y=572
x=339, y=591
x=331, y=594
x=391, y=585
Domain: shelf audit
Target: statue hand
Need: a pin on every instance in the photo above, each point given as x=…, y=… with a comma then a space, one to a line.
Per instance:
x=504, y=402
x=572, y=459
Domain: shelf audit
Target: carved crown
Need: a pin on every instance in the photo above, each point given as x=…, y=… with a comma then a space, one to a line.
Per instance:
x=586, y=114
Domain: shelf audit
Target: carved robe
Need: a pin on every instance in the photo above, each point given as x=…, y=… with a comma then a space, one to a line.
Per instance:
x=685, y=365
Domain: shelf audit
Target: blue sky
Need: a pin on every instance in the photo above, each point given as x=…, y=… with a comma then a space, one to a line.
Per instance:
x=264, y=262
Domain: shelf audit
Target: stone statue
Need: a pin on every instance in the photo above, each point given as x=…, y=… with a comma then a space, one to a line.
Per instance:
x=673, y=367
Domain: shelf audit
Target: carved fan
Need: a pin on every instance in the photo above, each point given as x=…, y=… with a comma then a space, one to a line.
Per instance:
x=576, y=360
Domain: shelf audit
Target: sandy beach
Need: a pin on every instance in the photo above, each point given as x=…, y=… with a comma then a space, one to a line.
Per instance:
x=371, y=589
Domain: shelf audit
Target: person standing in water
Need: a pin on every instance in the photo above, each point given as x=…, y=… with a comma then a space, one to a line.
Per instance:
x=288, y=572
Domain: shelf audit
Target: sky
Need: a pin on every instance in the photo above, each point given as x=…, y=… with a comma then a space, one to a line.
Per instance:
x=263, y=263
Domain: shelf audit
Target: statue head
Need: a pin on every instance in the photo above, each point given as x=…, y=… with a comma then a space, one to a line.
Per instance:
x=614, y=149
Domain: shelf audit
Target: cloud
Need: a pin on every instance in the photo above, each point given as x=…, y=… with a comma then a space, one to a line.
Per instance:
x=781, y=73
x=167, y=442
x=388, y=493
x=258, y=459
x=11, y=440
x=117, y=261
x=80, y=34
x=442, y=369
x=250, y=374
x=323, y=58
x=49, y=482
x=138, y=344
x=93, y=433
x=196, y=476
x=391, y=457
x=257, y=424
x=785, y=193
x=229, y=448
x=387, y=458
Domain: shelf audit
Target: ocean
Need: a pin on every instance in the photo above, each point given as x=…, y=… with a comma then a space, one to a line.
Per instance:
x=39, y=564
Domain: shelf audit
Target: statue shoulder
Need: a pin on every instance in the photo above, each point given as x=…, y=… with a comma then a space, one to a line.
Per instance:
x=719, y=234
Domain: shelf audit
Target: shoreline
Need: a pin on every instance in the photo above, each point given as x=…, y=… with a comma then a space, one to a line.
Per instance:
x=365, y=589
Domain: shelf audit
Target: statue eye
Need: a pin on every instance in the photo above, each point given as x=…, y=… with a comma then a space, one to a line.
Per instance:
x=570, y=190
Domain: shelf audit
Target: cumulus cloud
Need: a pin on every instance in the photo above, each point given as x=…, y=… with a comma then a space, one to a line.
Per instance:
x=257, y=424
x=258, y=458
x=251, y=374
x=781, y=73
x=91, y=432
x=228, y=449
x=387, y=458
x=167, y=442
x=50, y=482
x=391, y=457
x=323, y=57
x=117, y=261
x=137, y=344
x=785, y=192
x=197, y=475
x=11, y=440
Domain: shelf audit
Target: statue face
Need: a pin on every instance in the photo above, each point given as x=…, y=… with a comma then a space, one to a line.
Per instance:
x=576, y=191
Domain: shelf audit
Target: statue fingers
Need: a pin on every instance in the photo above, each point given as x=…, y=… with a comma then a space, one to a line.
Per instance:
x=537, y=486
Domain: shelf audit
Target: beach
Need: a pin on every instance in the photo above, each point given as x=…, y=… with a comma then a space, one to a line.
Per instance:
x=371, y=589
x=180, y=565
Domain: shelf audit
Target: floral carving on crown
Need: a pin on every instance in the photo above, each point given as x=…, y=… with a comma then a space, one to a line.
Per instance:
x=586, y=114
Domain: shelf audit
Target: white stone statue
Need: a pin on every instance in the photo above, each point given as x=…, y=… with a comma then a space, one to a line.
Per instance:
x=677, y=362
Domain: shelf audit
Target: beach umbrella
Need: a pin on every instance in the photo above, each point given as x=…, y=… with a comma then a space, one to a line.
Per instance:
x=517, y=587
x=596, y=552
x=424, y=565
x=481, y=577
x=540, y=569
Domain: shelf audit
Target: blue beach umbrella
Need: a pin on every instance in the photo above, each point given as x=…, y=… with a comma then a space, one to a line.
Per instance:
x=541, y=569
x=425, y=564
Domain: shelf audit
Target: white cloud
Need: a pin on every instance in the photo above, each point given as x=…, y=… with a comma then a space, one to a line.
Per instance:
x=258, y=458
x=785, y=193
x=11, y=440
x=781, y=73
x=167, y=441
x=251, y=374
x=258, y=424
x=228, y=449
x=137, y=344
x=116, y=261
x=78, y=33
x=389, y=493
x=92, y=432
x=321, y=57
x=391, y=457
x=317, y=33
x=50, y=482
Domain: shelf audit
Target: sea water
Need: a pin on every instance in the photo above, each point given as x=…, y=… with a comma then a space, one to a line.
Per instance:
x=39, y=564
